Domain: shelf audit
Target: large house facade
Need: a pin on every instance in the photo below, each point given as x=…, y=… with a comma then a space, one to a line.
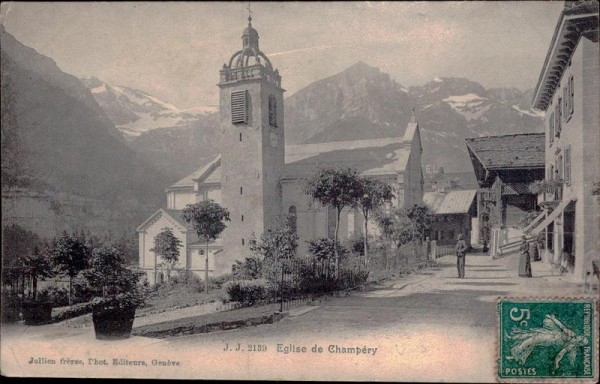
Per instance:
x=568, y=90
x=257, y=177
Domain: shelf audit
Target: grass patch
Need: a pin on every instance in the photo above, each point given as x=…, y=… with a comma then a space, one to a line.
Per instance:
x=171, y=296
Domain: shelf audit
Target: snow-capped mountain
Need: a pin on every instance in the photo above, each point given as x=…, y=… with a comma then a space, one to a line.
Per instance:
x=363, y=103
x=134, y=112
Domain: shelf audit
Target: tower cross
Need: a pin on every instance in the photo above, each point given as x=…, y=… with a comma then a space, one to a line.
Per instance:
x=249, y=14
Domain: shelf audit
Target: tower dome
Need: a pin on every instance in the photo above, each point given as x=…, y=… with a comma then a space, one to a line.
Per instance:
x=249, y=62
x=250, y=54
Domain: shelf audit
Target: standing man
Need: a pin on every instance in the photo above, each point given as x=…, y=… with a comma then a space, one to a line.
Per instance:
x=461, y=250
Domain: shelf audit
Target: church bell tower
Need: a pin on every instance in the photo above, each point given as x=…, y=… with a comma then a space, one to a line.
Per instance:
x=252, y=145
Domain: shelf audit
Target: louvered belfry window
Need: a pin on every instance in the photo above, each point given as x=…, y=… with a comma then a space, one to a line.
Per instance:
x=567, y=164
x=239, y=107
x=272, y=111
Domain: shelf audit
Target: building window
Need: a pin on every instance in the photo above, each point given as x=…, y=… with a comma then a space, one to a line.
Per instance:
x=240, y=137
x=241, y=190
x=242, y=217
x=558, y=117
x=239, y=107
x=272, y=111
x=551, y=129
x=201, y=252
x=243, y=243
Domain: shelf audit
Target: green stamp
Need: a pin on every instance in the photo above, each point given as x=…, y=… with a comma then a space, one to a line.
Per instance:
x=546, y=339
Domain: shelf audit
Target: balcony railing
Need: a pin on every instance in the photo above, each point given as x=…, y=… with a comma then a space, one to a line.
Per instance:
x=551, y=190
x=229, y=75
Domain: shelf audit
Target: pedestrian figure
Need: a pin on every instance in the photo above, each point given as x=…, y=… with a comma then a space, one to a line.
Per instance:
x=533, y=251
x=525, y=260
x=461, y=250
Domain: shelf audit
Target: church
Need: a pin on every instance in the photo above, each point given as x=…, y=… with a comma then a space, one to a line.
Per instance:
x=257, y=177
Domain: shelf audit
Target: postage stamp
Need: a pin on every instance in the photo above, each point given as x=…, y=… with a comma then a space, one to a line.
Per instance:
x=547, y=339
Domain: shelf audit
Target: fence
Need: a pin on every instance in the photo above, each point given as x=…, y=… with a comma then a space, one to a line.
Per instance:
x=441, y=250
x=305, y=278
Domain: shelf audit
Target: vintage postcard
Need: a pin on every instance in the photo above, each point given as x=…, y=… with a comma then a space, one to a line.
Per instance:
x=335, y=191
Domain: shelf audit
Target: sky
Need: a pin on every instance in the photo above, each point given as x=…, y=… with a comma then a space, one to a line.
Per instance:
x=174, y=50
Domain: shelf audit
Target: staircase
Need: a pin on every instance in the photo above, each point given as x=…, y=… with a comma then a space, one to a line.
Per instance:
x=509, y=241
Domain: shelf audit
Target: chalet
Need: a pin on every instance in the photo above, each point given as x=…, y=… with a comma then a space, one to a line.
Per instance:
x=505, y=167
x=453, y=214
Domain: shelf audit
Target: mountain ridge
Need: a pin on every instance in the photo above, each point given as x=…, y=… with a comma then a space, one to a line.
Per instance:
x=64, y=164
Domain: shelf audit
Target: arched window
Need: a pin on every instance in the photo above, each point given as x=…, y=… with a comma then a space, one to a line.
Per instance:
x=293, y=218
x=272, y=111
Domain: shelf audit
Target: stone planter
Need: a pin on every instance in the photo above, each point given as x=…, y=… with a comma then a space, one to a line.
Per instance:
x=113, y=323
x=11, y=308
x=37, y=313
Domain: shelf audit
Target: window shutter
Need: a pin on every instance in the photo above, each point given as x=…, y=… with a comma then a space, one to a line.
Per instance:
x=551, y=128
x=566, y=107
x=558, y=117
x=239, y=107
x=567, y=164
x=572, y=95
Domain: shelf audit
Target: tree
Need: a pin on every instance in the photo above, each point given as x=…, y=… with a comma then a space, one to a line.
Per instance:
x=166, y=246
x=17, y=242
x=323, y=250
x=208, y=219
x=115, y=285
x=277, y=246
x=70, y=256
x=374, y=194
x=420, y=216
x=39, y=265
x=336, y=187
x=404, y=225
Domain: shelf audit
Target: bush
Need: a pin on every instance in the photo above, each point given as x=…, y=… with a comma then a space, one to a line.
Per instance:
x=219, y=281
x=185, y=277
x=356, y=244
x=310, y=280
x=349, y=279
x=58, y=295
x=73, y=311
x=247, y=292
x=324, y=249
x=250, y=268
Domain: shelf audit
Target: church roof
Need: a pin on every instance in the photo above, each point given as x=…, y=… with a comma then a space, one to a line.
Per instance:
x=205, y=171
x=173, y=214
x=387, y=156
x=451, y=202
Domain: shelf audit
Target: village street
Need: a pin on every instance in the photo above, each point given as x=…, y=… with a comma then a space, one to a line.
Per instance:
x=415, y=323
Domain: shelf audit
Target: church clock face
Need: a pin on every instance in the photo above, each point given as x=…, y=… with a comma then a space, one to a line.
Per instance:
x=274, y=140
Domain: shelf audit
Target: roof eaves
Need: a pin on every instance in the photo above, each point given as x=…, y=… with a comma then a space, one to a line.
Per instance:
x=538, y=101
